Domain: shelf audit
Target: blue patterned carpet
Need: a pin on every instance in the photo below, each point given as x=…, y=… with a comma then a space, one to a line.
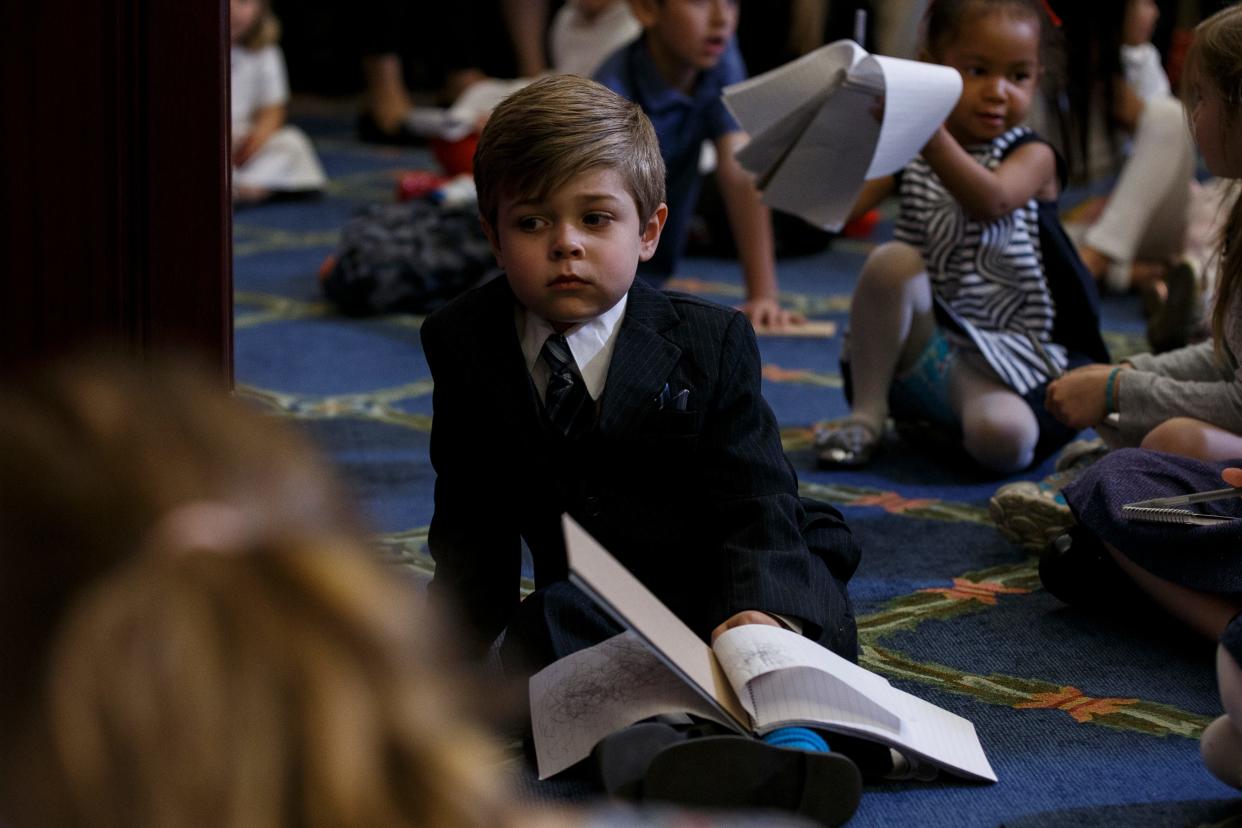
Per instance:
x=1087, y=720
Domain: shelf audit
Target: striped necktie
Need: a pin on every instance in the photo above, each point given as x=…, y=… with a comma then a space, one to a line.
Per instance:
x=567, y=405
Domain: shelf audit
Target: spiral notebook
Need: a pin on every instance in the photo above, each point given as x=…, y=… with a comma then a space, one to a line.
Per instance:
x=1168, y=509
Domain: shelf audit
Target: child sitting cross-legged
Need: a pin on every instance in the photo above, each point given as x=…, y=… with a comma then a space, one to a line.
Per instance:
x=1159, y=570
x=981, y=300
x=1188, y=401
x=270, y=157
x=567, y=387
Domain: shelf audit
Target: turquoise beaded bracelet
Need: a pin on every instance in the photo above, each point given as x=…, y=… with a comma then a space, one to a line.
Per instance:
x=1110, y=391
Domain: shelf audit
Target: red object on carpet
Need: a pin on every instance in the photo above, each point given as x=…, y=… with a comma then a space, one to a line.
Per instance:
x=862, y=226
x=325, y=269
x=456, y=157
x=418, y=183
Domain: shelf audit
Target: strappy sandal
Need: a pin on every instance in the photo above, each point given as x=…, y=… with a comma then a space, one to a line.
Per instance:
x=848, y=444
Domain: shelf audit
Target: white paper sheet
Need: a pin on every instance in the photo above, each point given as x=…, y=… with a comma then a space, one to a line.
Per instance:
x=624, y=597
x=823, y=124
x=765, y=99
x=838, y=690
x=917, y=98
x=580, y=699
x=822, y=173
x=935, y=735
x=784, y=679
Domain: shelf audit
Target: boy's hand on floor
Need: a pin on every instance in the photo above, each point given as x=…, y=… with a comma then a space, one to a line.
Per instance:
x=1232, y=476
x=767, y=313
x=741, y=619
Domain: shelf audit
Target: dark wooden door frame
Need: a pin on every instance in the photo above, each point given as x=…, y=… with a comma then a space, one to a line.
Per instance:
x=117, y=211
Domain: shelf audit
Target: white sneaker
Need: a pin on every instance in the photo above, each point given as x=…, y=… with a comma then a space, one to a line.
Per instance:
x=1030, y=514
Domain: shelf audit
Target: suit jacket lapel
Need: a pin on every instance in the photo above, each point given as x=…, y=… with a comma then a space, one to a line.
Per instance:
x=509, y=372
x=642, y=360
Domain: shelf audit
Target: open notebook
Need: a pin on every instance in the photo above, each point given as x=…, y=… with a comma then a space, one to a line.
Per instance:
x=754, y=679
x=823, y=124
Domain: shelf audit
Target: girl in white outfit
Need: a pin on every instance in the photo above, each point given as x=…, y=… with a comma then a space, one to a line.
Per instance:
x=585, y=32
x=1146, y=216
x=269, y=157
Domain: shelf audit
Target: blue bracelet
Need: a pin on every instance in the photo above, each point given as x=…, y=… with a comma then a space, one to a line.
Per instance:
x=1110, y=389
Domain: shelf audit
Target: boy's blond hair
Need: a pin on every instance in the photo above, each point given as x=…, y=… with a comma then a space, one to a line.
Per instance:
x=558, y=128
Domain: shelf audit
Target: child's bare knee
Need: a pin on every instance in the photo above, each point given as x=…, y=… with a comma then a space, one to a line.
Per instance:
x=891, y=264
x=1002, y=444
x=1180, y=435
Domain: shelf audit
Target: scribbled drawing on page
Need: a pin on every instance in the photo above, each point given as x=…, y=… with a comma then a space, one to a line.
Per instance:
x=595, y=692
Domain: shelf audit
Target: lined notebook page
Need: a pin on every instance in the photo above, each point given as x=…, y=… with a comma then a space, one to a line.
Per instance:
x=783, y=678
x=804, y=694
x=926, y=731
x=755, y=649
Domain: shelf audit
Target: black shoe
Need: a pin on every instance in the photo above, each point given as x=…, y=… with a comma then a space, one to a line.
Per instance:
x=621, y=760
x=718, y=772
x=874, y=760
x=1079, y=570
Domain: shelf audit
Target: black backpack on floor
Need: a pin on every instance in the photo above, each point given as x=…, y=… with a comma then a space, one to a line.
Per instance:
x=411, y=257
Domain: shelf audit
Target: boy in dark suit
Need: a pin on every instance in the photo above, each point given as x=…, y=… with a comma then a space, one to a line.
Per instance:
x=568, y=387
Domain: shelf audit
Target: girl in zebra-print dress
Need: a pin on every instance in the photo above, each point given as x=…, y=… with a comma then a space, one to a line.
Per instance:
x=957, y=321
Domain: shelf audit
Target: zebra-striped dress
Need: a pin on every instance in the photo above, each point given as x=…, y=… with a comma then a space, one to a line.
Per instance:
x=987, y=277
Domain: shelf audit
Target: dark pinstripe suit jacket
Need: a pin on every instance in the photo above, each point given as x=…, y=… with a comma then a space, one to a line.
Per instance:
x=701, y=504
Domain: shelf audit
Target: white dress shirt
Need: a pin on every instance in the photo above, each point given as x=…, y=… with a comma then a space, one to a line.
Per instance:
x=591, y=342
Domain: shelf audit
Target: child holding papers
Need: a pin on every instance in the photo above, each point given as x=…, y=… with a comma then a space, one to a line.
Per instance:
x=567, y=387
x=981, y=300
x=1186, y=401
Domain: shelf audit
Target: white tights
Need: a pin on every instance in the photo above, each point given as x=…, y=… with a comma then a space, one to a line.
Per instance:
x=891, y=321
x=1146, y=216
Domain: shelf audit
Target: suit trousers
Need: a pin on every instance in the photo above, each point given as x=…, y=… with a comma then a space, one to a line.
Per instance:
x=559, y=619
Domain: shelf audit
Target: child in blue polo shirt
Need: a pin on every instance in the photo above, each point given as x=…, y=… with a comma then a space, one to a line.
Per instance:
x=675, y=72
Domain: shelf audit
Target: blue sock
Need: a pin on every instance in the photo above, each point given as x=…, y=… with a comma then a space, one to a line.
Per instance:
x=798, y=738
